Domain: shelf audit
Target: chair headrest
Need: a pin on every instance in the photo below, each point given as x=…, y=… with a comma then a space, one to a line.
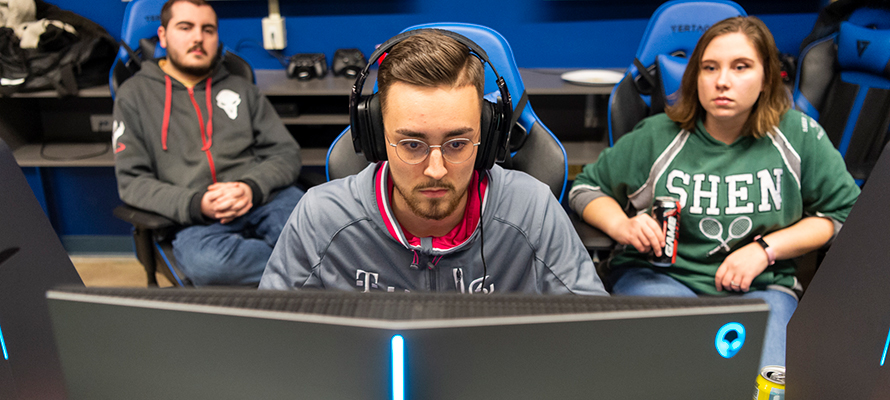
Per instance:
x=878, y=18
x=151, y=49
x=496, y=48
x=660, y=83
x=677, y=25
x=863, y=49
x=141, y=20
x=670, y=71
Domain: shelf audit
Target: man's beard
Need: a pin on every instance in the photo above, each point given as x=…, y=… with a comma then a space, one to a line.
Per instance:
x=193, y=70
x=433, y=209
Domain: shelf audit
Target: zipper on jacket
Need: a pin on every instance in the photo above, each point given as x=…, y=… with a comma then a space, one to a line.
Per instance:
x=426, y=245
x=434, y=284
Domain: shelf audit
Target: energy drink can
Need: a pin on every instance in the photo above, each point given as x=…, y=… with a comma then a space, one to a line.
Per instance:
x=666, y=211
x=770, y=384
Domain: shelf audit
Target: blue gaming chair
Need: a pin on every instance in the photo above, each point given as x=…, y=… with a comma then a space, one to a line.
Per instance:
x=534, y=149
x=659, y=63
x=651, y=81
x=152, y=233
x=843, y=81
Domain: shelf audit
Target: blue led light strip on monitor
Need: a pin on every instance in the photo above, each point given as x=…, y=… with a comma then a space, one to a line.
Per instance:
x=6, y=355
x=886, y=344
x=398, y=367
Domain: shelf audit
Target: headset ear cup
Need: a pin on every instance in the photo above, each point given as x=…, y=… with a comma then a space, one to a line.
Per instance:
x=369, y=129
x=489, y=137
x=357, y=127
x=377, y=138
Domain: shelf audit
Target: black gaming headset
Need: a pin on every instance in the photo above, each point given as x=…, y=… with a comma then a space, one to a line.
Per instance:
x=366, y=119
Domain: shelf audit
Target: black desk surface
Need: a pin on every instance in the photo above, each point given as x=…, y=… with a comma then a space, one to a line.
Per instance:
x=274, y=82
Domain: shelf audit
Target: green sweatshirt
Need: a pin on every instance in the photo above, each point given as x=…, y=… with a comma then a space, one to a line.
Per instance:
x=729, y=194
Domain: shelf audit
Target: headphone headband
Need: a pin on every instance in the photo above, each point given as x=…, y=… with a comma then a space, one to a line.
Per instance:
x=389, y=44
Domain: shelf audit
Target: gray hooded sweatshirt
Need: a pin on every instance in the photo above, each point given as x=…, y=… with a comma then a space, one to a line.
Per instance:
x=169, y=145
x=343, y=235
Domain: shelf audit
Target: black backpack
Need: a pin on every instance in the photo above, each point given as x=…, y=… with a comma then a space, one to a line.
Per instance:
x=62, y=61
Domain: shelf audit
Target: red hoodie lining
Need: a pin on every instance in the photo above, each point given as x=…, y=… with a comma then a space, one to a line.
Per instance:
x=457, y=236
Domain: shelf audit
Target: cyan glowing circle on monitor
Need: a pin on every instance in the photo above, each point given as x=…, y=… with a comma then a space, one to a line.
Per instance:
x=730, y=339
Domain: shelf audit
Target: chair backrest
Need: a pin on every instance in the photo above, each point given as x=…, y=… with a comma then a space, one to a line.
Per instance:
x=534, y=148
x=843, y=81
x=139, y=39
x=655, y=74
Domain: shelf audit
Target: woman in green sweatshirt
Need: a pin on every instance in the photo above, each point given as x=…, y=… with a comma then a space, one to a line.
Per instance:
x=758, y=183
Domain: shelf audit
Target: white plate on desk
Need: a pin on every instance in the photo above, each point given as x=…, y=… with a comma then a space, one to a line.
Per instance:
x=593, y=77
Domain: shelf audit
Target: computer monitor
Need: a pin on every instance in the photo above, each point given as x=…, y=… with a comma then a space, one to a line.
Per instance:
x=236, y=344
x=32, y=260
x=839, y=335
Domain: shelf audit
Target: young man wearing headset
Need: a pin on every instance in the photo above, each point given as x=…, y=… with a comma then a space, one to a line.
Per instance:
x=429, y=216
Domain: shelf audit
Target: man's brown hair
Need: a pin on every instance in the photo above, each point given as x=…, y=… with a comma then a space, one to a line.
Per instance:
x=167, y=9
x=773, y=102
x=430, y=59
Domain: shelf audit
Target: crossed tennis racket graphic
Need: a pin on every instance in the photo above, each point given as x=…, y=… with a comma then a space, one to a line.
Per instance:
x=713, y=229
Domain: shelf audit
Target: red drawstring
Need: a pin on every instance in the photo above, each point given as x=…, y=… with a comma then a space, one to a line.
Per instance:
x=167, y=100
x=209, y=116
x=209, y=128
x=435, y=262
x=416, y=260
x=206, y=134
x=205, y=145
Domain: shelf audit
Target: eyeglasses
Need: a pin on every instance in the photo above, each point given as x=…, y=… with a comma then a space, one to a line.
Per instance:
x=415, y=151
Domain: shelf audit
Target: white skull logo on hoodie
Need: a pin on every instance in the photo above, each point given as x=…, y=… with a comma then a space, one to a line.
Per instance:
x=228, y=101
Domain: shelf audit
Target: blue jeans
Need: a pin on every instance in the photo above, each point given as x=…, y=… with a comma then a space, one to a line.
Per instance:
x=234, y=253
x=643, y=281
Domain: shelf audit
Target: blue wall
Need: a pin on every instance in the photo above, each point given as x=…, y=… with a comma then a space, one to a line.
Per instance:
x=543, y=34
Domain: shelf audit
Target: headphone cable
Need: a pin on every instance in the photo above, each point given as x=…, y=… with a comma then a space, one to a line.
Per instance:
x=277, y=55
x=481, y=233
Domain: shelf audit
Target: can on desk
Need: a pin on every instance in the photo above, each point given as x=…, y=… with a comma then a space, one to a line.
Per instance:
x=770, y=383
x=666, y=211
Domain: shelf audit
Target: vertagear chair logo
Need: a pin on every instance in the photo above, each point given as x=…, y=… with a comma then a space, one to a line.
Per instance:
x=689, y=28
x=861, y=45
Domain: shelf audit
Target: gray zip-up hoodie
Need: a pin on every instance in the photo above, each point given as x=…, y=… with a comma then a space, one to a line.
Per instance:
x=343, y=236
x=169, y=145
